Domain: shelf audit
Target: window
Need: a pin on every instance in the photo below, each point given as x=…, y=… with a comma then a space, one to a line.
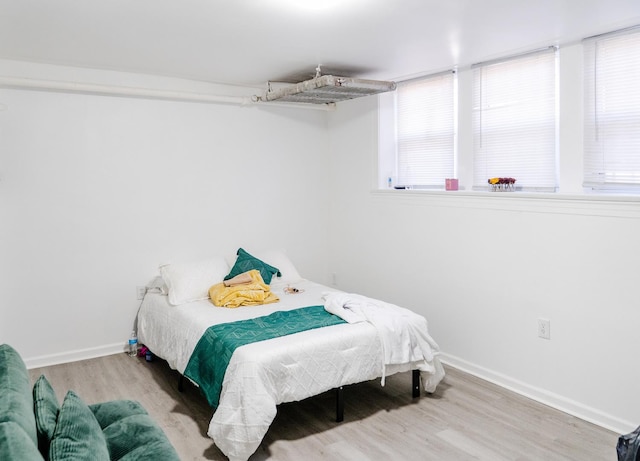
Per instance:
x=612, y=111
x=514, y=121
x=424, y=140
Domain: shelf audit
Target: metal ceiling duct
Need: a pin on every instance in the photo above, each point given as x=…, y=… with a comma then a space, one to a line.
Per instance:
x=328, y=89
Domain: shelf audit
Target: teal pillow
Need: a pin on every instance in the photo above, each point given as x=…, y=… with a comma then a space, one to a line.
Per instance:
x=16, y=444
x=46, y=408
x=16, y=399
x=110, y=412
x=245, y=262
x=77, y=436
x=138, y=438
x=153, y=451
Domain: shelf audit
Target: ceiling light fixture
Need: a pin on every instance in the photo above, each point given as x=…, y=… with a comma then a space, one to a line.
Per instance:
x=316, y=6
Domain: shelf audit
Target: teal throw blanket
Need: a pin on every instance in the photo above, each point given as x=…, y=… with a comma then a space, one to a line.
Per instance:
x=210, y=358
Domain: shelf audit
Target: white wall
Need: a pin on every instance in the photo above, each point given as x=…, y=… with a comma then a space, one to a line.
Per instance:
x=97, y=191
x=484, y=267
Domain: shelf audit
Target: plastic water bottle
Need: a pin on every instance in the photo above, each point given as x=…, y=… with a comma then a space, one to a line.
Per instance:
x=133, y=344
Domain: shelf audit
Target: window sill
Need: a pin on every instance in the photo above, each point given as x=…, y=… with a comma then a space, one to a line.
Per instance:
x=542, y=202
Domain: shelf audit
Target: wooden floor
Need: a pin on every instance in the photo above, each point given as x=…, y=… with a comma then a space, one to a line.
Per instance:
x=466, y=419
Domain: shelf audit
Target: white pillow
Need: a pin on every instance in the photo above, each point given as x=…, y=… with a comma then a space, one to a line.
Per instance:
x=278, y=258
x=191, y=281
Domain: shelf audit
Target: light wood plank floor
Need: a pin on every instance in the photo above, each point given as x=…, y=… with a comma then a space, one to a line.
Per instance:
x=466, y=419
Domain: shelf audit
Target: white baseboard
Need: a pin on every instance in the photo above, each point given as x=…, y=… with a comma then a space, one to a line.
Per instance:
x=74, y=356
x=550, y=399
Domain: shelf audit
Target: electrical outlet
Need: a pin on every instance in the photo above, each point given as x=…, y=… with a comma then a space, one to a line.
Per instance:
x=141, y=291
x=544, y=328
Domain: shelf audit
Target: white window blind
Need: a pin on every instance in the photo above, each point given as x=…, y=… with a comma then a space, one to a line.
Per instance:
x=612, y=111
x=514, y=121
x=426, y=131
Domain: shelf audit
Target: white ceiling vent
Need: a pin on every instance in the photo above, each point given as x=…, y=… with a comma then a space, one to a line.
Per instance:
x=327, y=89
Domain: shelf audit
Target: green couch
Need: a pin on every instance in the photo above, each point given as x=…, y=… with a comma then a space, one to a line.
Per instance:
x=34, y=426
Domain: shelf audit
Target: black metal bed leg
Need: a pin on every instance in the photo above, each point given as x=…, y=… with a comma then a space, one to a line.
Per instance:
x=340, y=404
x=416, y=383
x=181, y=384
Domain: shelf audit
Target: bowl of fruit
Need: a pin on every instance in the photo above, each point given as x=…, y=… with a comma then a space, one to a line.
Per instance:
x=502, y=184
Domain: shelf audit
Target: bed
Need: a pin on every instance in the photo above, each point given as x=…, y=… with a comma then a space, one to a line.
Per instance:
x=260, y=375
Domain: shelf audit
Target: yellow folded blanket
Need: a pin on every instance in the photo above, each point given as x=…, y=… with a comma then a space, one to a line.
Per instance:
x=246, y=294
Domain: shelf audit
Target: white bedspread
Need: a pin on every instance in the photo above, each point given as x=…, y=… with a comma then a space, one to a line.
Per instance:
x=264, y=374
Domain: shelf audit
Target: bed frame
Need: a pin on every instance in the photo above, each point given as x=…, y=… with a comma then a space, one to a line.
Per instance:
x=415, y=393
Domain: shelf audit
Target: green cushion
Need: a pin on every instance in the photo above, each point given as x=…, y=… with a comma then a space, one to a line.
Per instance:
x=109, y=412
x=16, y=400
x=156, y=450
x=78, y=435
x=15, y=444
x=138, y=437
x=245, y=262
x=46, y=408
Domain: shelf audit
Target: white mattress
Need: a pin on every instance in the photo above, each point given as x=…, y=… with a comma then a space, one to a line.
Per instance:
x=263, y=374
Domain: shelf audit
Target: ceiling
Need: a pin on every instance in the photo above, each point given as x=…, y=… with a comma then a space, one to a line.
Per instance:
x=250, y=42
